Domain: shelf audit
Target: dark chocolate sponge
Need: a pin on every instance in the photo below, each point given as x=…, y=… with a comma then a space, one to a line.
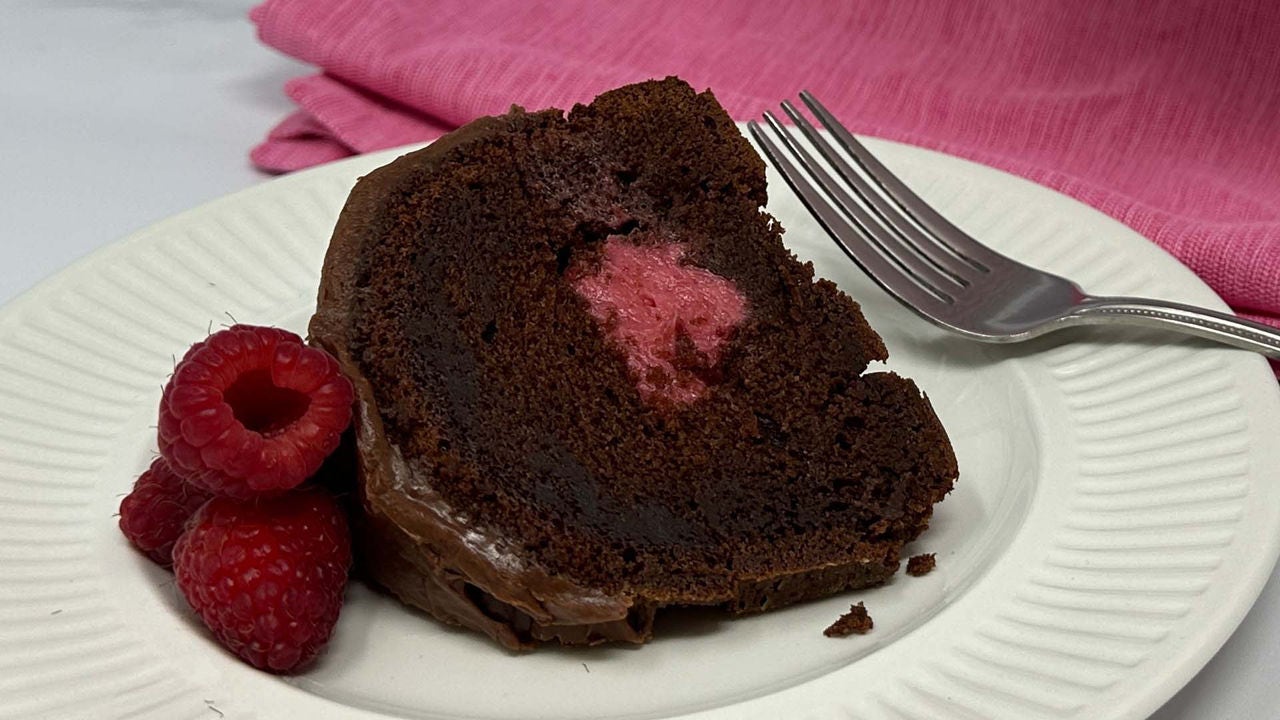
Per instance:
x=513, y=479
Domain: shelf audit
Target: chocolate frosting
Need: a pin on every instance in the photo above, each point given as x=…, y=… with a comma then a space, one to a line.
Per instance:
x=418, y=546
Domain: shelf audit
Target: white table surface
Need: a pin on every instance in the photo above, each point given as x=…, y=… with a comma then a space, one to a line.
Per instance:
x=119, y=113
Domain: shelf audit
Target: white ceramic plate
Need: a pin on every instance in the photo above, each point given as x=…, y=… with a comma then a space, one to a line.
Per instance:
x=1118, y=509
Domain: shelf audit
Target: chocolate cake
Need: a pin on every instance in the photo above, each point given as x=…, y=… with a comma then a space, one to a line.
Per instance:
x=592, y=382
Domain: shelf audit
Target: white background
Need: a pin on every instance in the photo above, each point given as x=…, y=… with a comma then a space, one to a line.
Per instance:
x=116, y=114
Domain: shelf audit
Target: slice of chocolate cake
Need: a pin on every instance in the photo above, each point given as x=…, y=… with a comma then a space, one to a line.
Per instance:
x=593, y=382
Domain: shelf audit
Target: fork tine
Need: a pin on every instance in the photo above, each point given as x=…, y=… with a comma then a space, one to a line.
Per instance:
x=904, y=238
x=945, y=233
x=873, y=229
x=886, y=273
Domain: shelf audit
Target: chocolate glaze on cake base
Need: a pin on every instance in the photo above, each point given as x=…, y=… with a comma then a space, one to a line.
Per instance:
x=535, y=466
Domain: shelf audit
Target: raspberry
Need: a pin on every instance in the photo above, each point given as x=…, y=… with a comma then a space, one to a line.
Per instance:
x=252, y=411
x=154, y=514
x=267, y=575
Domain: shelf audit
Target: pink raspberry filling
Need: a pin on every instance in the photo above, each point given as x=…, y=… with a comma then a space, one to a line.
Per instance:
x=672, y=321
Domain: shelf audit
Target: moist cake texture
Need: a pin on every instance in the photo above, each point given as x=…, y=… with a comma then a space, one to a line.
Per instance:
x=593, y=382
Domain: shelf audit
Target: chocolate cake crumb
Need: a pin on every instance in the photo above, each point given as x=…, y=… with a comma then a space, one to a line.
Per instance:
x=921, y=564
x=854, y=622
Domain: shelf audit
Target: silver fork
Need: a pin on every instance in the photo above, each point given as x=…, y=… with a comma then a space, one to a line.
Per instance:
x=943, y=274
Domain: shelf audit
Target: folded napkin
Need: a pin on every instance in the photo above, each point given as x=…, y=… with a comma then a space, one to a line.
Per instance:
x=1164, y=115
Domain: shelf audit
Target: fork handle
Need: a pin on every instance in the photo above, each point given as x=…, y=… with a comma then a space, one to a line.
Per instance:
x=1192, y=320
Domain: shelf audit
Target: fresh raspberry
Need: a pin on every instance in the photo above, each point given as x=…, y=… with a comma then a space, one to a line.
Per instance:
x=252, y=411
x=154, y=514
x=267, y=575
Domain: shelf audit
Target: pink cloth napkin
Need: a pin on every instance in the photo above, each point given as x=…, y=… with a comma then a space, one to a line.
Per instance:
x=1164, y=115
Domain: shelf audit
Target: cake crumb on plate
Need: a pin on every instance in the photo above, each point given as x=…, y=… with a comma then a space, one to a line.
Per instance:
x=856, y=621
x=921, y=564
